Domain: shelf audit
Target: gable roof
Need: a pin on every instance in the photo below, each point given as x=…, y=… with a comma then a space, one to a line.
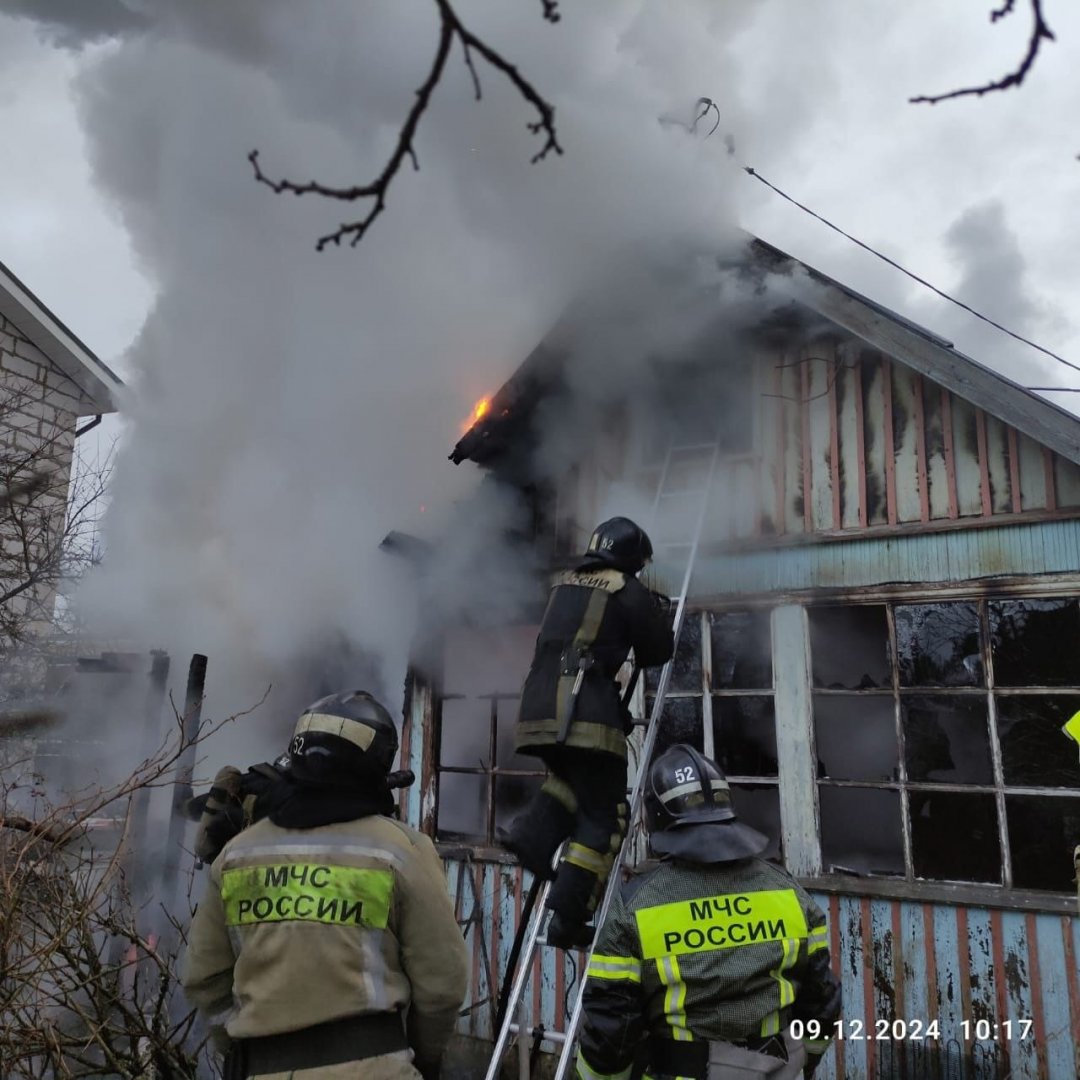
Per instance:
x=930, y=355
x=888, y=331
x=94, y=378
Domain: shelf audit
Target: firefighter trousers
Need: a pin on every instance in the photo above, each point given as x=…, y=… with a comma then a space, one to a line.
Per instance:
x=583, y=799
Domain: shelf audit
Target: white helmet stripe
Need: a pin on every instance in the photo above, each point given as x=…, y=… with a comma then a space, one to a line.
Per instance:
x=355, y=731
x=690, y=787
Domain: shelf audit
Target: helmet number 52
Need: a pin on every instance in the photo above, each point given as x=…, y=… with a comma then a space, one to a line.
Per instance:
x=684, y=776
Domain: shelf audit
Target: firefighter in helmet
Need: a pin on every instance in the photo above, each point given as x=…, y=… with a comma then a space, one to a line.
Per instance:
x=707, y=956
x=573, y=718
x=326, y=945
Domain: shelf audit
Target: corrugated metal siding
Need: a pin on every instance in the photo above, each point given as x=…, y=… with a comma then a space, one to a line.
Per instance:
x=898, y=960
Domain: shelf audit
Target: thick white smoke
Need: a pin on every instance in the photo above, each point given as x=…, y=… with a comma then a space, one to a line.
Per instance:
x=291, y=408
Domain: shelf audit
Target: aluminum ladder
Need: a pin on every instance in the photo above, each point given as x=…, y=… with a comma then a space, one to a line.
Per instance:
x=514, y=1019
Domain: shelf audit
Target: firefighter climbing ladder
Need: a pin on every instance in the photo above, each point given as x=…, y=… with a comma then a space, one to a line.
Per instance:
x=700, y=457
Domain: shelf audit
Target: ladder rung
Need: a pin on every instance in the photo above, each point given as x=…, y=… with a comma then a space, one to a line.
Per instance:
x=546, y=1036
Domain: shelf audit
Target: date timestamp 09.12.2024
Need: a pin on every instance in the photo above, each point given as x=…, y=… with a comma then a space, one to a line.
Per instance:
x=855, y=1030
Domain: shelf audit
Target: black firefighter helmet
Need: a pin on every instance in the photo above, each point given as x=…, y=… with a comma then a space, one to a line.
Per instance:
x=689, y=812
x=619, y=543
x=342, y=739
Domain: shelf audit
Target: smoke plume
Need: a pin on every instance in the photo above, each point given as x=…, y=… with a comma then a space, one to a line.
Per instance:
x=290, y=408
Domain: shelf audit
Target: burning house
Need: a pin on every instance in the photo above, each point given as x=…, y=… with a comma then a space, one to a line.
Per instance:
x=880, y=649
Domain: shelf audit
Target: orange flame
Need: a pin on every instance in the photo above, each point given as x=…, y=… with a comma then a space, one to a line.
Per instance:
x=480, y=410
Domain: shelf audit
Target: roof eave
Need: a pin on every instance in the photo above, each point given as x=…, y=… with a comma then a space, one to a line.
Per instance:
x=93, y=377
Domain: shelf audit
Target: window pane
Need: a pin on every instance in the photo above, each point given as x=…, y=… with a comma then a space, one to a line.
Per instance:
x=759, y=806
x=1042, y=834
x=849, y=647
x=954, y=836
x=1034, y=751
x=505, y=757
x=741, y=650
x=686, y=671
x=465, y=733
x=947, y=739
x=1035, y=642
x=860, y=831
x=856, y=738
x=681, y=723
x=462, y=809
x=744, y=734
x=938, y=645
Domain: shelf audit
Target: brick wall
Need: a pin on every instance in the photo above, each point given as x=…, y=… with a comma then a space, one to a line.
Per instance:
x=39, y=409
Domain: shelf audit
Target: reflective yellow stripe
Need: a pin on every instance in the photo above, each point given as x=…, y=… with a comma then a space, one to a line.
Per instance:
x=308, y=892
x=667, y=967
x=586, y=858
x=614, y=968
x=720, y=922
x=1071, y=727
x=771, y=1024
x=816, y=1046
x=561, y=791
x=819, y=939
x=586, y=1072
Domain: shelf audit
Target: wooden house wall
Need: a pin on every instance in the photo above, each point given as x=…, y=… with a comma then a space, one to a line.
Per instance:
x=847, y=440
x=898, y=961
x=852, y=448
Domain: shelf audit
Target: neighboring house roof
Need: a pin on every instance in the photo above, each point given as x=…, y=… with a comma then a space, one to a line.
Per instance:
x=94, y=378
x=891, y=333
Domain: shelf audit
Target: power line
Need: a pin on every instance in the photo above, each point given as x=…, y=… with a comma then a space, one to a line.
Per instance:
x=922, y=281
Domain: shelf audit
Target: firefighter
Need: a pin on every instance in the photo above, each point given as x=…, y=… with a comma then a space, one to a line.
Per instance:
x=326, y=945
x=707, y=956
x=235, y=800
x=573, y=718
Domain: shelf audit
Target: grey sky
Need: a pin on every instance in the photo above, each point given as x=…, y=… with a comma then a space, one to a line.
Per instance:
x=290, y=403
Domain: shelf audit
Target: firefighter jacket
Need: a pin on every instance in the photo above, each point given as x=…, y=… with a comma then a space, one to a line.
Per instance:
x=598, y=615
x=721, y=952
x=303, y=926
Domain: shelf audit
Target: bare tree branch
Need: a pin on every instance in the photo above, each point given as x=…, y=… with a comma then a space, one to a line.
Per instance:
x=1040, y=32
x=450, y=28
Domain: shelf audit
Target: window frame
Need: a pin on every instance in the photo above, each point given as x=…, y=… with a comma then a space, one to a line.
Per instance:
x=491, y=770
x=909, y=886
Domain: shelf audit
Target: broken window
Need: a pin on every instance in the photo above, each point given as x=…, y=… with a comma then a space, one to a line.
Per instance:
x=481, y=779
x=849, y=648
x=938, y=645
x=741, y=645
x=744, y=735
x=1035, y=642
x=1034, y=753
x=856, y=738
x=947, y=739
x=933, y=722
x=860, y=830
x=954, y=836
x=721, y=686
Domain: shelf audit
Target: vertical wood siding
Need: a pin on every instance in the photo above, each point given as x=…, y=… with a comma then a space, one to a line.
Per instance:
x=845, y=439
x=897, y=960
